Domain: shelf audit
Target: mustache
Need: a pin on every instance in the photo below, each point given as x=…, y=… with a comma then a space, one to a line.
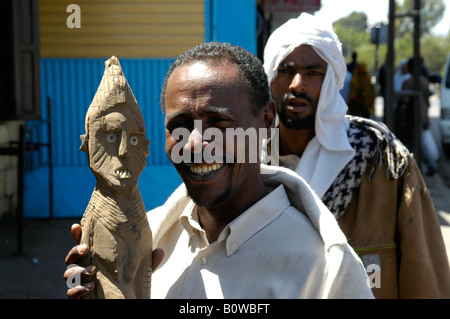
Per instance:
x=293, y=95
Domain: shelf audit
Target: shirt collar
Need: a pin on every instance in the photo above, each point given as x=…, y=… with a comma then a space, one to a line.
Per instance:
x=241, y=229
x=190, y=221
x=256, y=218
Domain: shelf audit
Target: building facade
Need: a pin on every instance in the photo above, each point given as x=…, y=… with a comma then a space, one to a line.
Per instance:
x=76, y=37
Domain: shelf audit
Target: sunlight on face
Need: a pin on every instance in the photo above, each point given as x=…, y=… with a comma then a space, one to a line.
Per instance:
x=197, y=70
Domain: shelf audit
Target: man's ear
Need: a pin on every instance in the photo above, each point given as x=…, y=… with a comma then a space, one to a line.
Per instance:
x=269, y=113
x=84, y=143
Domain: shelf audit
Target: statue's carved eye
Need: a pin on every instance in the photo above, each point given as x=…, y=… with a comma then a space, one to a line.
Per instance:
x=111, y=137
x=134, y=140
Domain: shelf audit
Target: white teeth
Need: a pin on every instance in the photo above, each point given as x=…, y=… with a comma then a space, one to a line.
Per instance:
x=205, y=169
x=122, y=173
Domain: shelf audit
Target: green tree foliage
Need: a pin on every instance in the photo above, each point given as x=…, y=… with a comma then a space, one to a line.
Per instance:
x=431, y=13
x=352, y=31
x=434, y=50
x=355, y=20
x=354, y=34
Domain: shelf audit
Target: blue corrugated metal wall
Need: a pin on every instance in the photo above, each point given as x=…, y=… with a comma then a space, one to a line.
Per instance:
x=231, y=21
x=71, y=84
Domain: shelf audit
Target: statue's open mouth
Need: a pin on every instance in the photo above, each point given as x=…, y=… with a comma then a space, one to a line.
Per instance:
x=122, y=173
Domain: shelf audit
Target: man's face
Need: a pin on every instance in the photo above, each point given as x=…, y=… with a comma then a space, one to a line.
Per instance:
x=118, y=147
x=296, y=88
x=211, y=96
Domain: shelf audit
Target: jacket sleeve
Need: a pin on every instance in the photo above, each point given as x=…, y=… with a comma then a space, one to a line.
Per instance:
x=423, y=265
x=346, y=276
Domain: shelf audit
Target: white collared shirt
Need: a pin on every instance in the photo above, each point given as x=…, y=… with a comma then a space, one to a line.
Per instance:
x=270, y=251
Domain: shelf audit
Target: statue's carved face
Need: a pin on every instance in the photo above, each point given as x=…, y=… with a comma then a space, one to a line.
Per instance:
x=118, y=147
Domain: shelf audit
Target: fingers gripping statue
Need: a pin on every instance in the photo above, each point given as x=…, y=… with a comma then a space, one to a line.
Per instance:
x=115, y=225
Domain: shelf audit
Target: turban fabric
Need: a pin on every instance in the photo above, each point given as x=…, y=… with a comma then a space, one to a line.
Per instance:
x=329, y=151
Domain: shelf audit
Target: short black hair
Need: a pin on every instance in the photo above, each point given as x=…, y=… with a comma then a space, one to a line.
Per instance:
x=251, y=70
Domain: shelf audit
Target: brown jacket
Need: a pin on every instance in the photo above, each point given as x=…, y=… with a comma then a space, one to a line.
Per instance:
x=390, y=219
x=394, y=222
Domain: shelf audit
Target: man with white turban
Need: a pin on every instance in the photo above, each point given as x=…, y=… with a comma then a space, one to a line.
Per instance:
x=360, y=170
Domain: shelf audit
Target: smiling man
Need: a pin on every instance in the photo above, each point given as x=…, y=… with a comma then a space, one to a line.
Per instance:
x=215, y=96
x=227, y=231
x=228, y=237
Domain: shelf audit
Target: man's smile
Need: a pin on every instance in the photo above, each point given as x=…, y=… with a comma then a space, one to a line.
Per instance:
x=205, y=169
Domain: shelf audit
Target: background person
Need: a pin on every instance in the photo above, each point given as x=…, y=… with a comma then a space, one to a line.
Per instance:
x=360, y=170
x=406, y=117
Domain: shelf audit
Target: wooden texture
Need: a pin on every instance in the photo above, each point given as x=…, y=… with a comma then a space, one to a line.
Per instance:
x=115, y=225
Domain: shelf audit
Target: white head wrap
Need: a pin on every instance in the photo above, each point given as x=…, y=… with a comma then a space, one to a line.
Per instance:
x=329, y=151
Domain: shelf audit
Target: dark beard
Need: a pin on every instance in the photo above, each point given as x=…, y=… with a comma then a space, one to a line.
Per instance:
x=296, y=123
x=211, y=202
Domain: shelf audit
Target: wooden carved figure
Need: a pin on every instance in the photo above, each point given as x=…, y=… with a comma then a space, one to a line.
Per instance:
x=115, y=225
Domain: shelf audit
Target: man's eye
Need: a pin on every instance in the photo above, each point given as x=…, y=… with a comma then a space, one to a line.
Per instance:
x=220, y=120
x=111, y=137
x=316, y=73
x=284, y=71
x=178, y=124
x=134, y=140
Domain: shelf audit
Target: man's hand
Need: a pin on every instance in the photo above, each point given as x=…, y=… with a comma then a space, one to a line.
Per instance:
x=80, y=251
x=72, y=258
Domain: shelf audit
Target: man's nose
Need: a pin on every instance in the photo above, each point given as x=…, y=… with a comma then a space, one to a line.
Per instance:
x=195, y=142
x=297, y=84
x=123, y=147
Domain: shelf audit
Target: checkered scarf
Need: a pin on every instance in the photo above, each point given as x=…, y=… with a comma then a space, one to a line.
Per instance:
x=374, y=144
